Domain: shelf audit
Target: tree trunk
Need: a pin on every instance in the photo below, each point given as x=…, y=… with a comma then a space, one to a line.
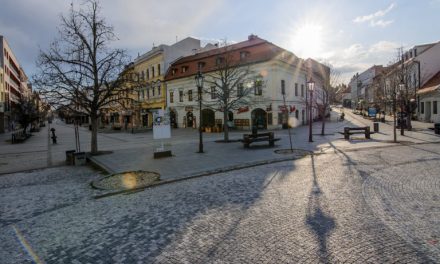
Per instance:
x=94, y=142
x=323, y=125
x=225, y=125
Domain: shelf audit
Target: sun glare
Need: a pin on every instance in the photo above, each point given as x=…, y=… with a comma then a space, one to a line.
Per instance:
x=307, y=40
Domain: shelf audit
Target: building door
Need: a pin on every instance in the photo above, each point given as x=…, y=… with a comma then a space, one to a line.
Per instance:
x=173, y=119
x=259, y=118
x=428, y=111
x=189, y=119
x=208, y=118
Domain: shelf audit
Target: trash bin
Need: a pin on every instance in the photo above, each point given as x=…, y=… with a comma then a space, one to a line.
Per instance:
x=80, y=158
x=376, y=127
x=437, y=128
x=70, y=159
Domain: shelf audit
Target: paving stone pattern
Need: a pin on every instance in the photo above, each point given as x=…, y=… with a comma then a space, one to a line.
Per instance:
x=368, y=206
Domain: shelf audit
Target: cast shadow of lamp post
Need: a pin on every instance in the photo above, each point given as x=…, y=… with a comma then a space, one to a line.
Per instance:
x=320, y=223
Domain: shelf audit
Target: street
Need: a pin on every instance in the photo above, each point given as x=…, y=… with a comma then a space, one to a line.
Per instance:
x=370, y=204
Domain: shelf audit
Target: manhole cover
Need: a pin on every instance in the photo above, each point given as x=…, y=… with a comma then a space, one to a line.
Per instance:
x=127, y=180
x=299, y=153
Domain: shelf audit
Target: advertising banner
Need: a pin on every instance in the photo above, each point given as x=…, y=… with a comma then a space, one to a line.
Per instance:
x=161, y=125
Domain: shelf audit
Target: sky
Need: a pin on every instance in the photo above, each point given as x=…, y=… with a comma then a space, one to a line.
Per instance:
x=350, y=35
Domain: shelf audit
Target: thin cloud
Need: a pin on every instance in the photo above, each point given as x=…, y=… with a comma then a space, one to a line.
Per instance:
x=374, y=19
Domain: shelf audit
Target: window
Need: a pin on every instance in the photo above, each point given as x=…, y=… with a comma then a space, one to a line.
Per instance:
x=258, y=87
x=240, y=90
x=269, y=118
x=143, y=94
x=158, y=90
x=180, y=96
x=190, y=95
x=174, y=71
x=422, y=107
x=201, y=64
x=171, y=97
x=143, y=75
x=219, y=60
x=296, y=89
x=184, y=69
x=213, y=94
x=148, y=93
x=434, y=107
x=152, y=72
x=244, y=55
x=302, y=90
x=158, y=69
x=283, y=87
x=297, y=114
x=152, y=90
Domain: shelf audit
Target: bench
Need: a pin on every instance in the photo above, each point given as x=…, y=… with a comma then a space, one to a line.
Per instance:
x=250, y=138
x=357, y=130
x=18, y=136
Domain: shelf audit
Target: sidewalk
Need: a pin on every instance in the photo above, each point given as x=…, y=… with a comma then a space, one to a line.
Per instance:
x=186, y=162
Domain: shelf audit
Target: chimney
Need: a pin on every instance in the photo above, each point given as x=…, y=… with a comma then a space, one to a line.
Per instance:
x=252, y=37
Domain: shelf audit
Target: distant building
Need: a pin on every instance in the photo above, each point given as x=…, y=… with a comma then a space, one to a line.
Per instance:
x=429, y=98
x=13, y=85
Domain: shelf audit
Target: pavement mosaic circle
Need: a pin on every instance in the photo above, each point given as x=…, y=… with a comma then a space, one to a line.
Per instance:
x=127, y=180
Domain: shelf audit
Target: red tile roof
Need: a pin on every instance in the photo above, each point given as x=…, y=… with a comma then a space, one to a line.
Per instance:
x=259, y=50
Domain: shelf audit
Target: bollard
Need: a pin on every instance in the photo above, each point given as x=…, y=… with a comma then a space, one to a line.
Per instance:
x=376, y=127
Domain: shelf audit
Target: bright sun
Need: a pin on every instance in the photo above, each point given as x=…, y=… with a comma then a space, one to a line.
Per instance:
x=307, y=40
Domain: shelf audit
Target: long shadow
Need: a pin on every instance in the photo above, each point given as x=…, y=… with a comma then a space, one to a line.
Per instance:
x=320, y=223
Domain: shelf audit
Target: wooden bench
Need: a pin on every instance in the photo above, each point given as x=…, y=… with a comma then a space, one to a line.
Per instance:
x=250, y=138
x=357, y=130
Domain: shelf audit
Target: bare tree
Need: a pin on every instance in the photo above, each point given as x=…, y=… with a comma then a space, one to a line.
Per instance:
x=81, y=70
x=231, y=85
x=26, y=112
x=324, y=97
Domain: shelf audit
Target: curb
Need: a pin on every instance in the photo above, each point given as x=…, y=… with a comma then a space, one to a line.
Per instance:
x=202, y=174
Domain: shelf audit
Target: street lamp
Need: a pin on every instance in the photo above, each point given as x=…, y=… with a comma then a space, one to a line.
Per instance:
x=401, y=87
x=310, y=87
x=199, y=82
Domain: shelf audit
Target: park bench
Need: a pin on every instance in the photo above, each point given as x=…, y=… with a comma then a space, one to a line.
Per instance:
x=18, y=136
x=357, y=130
x=250, y=138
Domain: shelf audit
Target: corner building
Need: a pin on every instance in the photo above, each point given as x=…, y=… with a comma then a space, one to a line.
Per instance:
x=276, y=68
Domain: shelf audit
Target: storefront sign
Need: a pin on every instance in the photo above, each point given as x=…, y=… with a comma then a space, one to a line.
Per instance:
x=372, y=112
x=243, y=109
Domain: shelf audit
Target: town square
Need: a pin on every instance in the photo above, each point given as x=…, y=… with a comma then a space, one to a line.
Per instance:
x=189, y=143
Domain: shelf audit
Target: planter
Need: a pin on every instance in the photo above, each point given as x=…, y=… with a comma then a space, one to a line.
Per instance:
x=70, y=158
x=80, y=158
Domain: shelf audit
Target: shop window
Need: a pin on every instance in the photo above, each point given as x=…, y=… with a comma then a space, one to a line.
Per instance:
x=422, y=107
x=269, y=119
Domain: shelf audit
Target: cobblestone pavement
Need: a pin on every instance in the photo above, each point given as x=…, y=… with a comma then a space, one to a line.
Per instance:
x=371, y=205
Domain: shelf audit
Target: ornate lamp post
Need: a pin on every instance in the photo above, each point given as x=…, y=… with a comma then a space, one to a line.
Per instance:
x=199, y=82
x=401, y=87
x=310, y=87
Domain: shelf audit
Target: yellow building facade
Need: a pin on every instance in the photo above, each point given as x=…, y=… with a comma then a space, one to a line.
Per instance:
x=151, y=93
